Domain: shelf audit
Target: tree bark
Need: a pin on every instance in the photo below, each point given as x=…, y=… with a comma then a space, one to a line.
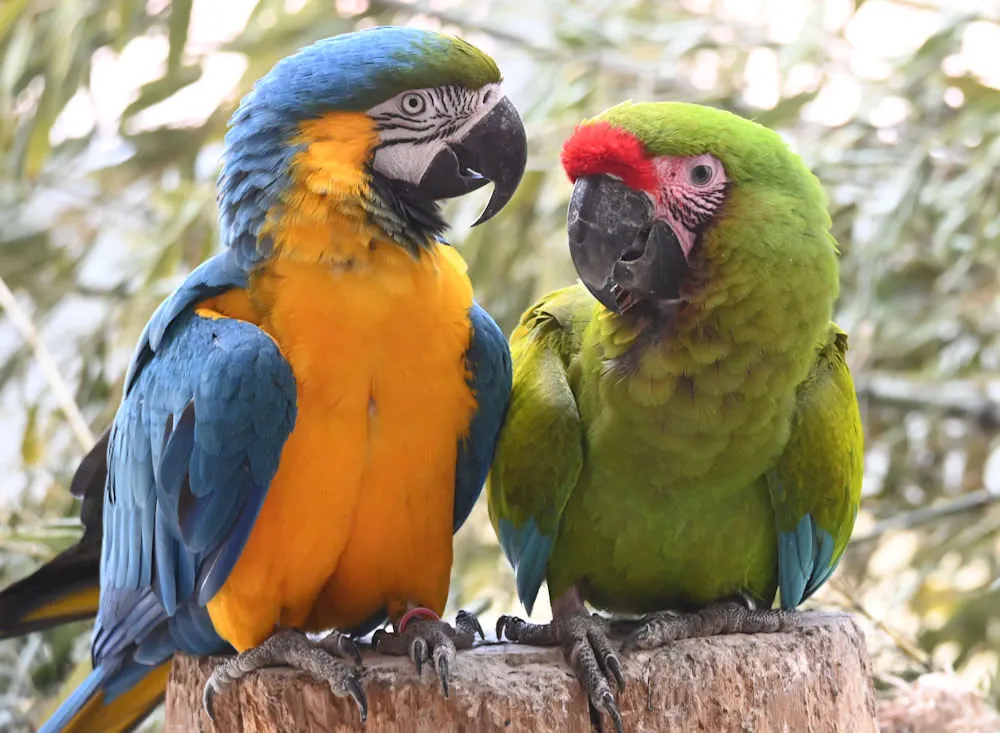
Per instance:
x=815, y=677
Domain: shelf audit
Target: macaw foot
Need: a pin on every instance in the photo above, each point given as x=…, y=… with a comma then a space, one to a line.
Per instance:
x=423, y=636
x=730, y=617
x=292, y=648
x=585, y=645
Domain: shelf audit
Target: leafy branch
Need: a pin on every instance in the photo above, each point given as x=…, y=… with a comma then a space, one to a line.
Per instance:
x=63, y=395
x=978, y=398
x=925, y=515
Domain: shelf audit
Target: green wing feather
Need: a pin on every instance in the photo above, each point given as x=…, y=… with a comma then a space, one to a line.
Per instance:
x=540, y=451
x=816, y=484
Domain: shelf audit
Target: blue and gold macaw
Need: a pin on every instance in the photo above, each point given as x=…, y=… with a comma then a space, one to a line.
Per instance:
x=312, y=413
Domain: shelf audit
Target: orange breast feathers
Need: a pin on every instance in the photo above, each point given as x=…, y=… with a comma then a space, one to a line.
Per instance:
x=359, y=515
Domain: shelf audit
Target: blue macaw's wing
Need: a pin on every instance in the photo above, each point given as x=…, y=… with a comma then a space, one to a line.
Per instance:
x=488, y=366
x=209, y=404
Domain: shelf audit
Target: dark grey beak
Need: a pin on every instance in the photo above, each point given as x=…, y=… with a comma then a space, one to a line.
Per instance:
x=494, y=151
x=622, y=253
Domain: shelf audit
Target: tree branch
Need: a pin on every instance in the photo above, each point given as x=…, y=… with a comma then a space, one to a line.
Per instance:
x=814, y=675
x=924, y=515
x=22, y=323
x=966, y=397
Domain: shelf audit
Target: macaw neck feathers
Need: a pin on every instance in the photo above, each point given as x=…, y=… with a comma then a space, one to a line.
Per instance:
x=729, y=362
x=411, y=223
x=312, y=194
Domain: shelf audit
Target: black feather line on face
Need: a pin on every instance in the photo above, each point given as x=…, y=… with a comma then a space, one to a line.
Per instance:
x=448, y=108
x=412, y=224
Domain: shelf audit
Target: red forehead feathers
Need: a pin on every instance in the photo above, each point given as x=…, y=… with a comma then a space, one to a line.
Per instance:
x=600, y=148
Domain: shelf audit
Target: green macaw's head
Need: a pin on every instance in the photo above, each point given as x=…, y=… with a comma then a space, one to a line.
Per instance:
x=661, y=185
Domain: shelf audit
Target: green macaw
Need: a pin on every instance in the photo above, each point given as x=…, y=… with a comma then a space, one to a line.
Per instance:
x=683, y=433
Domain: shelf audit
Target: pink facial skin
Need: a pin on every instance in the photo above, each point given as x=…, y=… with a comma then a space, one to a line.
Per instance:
x=691, y=190
x=687, y=191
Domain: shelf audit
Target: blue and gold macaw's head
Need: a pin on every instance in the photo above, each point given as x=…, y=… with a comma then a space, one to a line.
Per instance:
x=375, y=127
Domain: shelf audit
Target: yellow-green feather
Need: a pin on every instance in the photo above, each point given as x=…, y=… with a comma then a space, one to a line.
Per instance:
x=669, y=499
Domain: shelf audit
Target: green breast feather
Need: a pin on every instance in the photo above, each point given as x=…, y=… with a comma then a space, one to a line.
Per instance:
x=720, y=455
x=786, y=526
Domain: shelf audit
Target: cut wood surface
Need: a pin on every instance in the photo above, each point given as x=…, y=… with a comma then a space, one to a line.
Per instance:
x=814, y=678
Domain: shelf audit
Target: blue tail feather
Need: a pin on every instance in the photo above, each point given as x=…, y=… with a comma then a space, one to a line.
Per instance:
x=77, y=699
x=528, y=551
x=805, y=561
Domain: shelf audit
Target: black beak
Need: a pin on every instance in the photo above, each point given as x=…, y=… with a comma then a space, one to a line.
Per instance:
x=622, y=253
x=494, y=150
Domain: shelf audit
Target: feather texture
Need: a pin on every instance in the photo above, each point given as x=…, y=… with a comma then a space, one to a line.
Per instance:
x=669, y=460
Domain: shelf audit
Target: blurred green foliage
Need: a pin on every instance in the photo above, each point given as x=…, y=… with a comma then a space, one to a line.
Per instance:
x=111, y=118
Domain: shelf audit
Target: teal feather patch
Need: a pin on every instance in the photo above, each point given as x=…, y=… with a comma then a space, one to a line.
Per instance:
x=528, y=551
x=805, y=561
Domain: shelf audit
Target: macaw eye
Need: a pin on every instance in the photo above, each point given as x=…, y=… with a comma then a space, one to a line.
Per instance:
x=413, y=104
x=700, y=174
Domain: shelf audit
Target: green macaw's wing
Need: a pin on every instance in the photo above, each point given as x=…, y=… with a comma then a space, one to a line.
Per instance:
x=816, y=484
x=540, y=451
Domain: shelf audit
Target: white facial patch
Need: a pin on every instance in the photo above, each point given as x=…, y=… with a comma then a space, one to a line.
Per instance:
x=416, y=125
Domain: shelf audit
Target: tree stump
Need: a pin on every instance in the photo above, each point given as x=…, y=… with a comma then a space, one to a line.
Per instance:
x=815, y=677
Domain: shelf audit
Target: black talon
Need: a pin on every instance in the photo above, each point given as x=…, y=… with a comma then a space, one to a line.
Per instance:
x=587, y=650
x=442, y=670
x=208, y=701
x=419, y=653
x=611, y=708
x=465, y=618
x=595, y=717
x=433, y=641
x=511, y=626
x=356, y=691
x=350, y=647
x=321, y=659
x=611, y=662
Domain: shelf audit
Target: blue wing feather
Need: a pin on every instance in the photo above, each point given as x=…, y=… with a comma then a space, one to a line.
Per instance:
x=212, y=277
x=208, y=406
x=76, y=700
x=527, y=550
x=805, y=561
x=815, y=486
x=198, y=499
x=489, y=371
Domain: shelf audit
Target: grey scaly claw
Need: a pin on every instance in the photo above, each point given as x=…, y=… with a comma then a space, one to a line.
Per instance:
x=469, y=624
x=587, y=650
x=287, y=647
x=659, y=629
x=424, y=638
